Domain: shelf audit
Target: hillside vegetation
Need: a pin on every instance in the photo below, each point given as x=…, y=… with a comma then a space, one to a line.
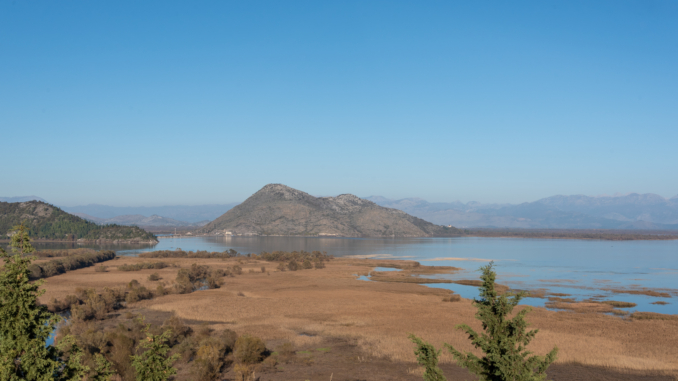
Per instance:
x=46, y=221
x=277, y=209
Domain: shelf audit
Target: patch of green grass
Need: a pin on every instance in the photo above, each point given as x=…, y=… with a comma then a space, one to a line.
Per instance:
x=323, y=349
x=304, y=352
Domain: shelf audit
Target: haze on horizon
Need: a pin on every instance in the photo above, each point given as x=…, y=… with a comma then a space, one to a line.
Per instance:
x=171, y=103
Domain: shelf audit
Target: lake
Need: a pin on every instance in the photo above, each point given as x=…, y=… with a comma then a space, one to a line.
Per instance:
x=581, y=268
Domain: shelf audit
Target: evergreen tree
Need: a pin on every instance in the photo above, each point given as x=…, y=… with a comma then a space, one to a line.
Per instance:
x=153, y=364
x=504, y=340
x=25, y=326
x=103, y=371
x=427, y=356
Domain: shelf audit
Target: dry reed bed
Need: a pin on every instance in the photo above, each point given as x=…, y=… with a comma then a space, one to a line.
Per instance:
x=330, y=302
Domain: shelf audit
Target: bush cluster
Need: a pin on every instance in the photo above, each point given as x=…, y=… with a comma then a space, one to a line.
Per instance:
x=143, y=266
x=298, y=256
x=295, y=260
x=72, y=262
x=199, y=277
x=61, y=253
x=203, y=350
x=87, y=304
x=178, y=253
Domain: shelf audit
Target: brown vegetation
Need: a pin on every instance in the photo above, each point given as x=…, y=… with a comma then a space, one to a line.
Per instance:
x=644, y=291
x=313, y=307
x=74, y=261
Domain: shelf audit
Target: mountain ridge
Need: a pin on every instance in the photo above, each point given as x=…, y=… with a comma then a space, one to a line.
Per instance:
x=140, y=220
x=630, y=211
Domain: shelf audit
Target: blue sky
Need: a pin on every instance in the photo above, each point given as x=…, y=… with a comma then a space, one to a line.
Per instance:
x=151, y=103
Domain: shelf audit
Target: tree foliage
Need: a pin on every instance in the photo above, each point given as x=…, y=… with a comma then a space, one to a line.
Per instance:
x=427, y=356
x=504, y=339
x=154, y=364
x=25, y=325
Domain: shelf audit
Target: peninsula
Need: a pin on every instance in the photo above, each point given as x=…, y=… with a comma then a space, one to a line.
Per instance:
x=49, y=223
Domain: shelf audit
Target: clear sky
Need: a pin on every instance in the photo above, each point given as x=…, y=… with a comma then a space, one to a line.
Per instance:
x=190, y=102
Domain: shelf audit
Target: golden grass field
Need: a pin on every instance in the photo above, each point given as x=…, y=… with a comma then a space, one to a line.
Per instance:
x=308, y=306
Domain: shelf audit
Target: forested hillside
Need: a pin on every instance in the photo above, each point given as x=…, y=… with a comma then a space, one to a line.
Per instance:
x=46, y=221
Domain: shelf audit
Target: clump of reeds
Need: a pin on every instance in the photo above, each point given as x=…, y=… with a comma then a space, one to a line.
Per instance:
x=618, y=304
x=189, y=254
x=652, y=316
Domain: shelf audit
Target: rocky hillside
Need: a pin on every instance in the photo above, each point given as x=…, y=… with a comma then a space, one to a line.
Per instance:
x=280, y=210
x=46, y=221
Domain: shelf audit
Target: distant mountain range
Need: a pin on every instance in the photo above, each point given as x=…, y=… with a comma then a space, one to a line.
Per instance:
x=139, y=220
x=187, y=214
x=631, y=211
x=277, y=209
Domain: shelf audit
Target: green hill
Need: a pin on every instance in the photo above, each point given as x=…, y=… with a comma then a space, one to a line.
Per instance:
x=46, y=221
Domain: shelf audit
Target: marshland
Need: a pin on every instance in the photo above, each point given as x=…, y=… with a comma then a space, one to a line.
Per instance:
x=350, y=316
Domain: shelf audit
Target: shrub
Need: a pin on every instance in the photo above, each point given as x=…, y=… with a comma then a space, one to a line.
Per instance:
x=263, y=269
x=101, y=269
x=243, y=372
x=307, y=264
x=154, y=277
x=227, y=338
x=122, y=348
x=236, y=270
x=189, y=280
x=452, y=298
x=427, y=357
x=281, y=267
x=319, y=264
x=249, y=349
x=208, y=362
x=137, y=292
x=154, y=364
x=293, y=265
x=160, y=290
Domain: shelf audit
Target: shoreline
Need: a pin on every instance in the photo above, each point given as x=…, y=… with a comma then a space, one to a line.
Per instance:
x=536, y=235
x=82, y=241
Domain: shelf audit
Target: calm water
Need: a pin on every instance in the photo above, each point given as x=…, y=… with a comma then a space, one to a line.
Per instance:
x=583, y=269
